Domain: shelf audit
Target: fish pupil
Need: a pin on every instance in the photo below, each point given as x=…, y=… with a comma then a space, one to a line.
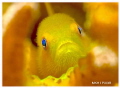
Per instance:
x=44, y=43
x=80, y=29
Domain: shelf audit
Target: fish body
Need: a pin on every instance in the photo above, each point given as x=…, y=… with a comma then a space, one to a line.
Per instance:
x=61, y=43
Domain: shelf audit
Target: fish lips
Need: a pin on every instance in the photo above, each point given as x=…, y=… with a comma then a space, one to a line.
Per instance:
x=68, y=52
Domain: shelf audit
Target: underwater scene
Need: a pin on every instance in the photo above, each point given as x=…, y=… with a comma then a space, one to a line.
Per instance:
x=60, y=44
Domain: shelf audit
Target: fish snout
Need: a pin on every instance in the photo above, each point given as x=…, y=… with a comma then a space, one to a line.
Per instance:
x=68, y=53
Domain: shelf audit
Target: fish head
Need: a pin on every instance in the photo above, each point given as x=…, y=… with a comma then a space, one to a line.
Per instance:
x=61, y=43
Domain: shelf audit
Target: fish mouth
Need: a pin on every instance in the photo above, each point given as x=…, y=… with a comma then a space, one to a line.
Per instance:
x=66, y=45
x=68, y=53
x=68, y=48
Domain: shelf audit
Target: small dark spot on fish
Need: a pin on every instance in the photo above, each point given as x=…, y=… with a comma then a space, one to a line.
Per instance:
x=59, y=81
x=53, y=79
x=68, y=76
x=45, y=84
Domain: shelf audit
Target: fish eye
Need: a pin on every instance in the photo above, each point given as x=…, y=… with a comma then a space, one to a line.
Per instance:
x=80, y=29
x=44, y=43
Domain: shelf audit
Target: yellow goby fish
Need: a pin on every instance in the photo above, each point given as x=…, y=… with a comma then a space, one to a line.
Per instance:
x=61, y=43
